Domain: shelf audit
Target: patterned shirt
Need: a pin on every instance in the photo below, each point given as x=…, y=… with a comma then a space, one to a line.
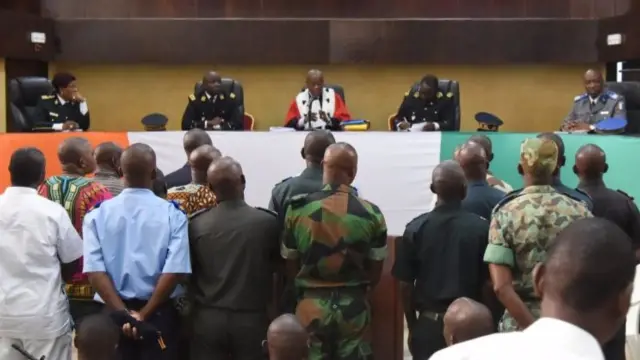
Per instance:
x=77, y=195
x=192, y=197
x=333, y=232
x=111, y=180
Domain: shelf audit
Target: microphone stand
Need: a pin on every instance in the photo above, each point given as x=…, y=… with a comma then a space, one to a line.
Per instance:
x=25, y=353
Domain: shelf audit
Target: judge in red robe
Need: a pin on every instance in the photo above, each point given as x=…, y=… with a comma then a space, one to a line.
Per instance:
x=317, y=107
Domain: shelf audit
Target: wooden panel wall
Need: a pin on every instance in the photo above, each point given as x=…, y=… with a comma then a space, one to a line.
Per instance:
x=626, y=24
x=334, y=8
x=18, y=18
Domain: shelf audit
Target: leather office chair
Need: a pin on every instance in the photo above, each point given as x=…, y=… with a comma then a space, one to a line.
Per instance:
x=337, y=88
x=444, y=86
x=228, y=86
x=631, y=92
x=24, y=94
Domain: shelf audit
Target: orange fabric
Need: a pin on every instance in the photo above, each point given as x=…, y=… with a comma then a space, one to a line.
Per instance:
x=48, y=144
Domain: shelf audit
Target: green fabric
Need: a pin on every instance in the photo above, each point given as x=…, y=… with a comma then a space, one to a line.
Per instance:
x=499, y=255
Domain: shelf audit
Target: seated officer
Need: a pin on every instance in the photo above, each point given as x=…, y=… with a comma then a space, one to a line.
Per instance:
x=155, y=122
x=595, y=105
x=426, y=109
x=488, y=122
x=211, y=108
x=65, y=109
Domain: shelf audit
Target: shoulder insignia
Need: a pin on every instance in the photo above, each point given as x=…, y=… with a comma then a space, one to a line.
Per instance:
x=439, y=94
x=416, y=95
x=406, y=94
x=449, y=95
x=192, y=97
x=198, y=213
x=221, y=96
x=612, y=95
x=625, y=194
x=270, y=212
x=232, y=96
x=579, y=97
x=47, y=97
x=203, y=98
x=506, y=199
x=283, y=180
x=176, y=205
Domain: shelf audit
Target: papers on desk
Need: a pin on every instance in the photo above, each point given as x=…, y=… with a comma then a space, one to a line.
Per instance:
x=76, y=130
x=281, y=129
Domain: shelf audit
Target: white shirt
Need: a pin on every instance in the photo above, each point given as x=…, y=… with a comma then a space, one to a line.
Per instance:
x=84, y=109
x=547, y=338
x=36, y=235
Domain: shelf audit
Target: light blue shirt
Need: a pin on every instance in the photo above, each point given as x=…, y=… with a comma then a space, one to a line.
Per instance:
x=136, y=237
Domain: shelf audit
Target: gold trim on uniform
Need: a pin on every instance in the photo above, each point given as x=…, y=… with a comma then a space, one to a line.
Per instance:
x=232, y=96
x=78, y=291
x=192, y=97
x=203, y=98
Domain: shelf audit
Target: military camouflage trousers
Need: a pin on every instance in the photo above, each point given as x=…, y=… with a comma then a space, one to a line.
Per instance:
x=338, y=325
x=508, y=323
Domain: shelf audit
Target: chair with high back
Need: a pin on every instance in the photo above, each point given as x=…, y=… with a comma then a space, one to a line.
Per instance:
x=234, y=86
x=24, y=95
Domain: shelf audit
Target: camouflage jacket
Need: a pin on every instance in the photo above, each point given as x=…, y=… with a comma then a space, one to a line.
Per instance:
x=333, y=233
x=522, y=228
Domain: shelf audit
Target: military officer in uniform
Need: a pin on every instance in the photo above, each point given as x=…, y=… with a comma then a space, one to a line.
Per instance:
x=594, y=105
x=212, y=108
x=426, y=108
x=65, y=109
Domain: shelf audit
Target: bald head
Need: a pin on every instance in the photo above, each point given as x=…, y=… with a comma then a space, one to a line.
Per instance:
x=473, y=160
x=340, y=164
x=315, y=145
x=201, y=158
x=287, y=338
x=212, y=82
x=466, y=319
x=315, y=82
x=195, y=138
x=75, y=155
x=593, y=82
x=226, y=179
x=591, y=162
x=485, y=142
x=138, y=164
x=108, y=154
x=448, y=181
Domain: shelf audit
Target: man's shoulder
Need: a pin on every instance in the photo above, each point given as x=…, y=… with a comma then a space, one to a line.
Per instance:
x=416, y=223
x=264, y=214
x=611, y=95
x=47, y=100
x=482, y=347
x=283, y=184
x=580, y=98
x=509, y=201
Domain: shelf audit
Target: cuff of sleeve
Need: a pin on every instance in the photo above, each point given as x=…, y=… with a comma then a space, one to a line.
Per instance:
x=93, y=268
x=436, y=126
x=84, y=108
x=499, y=255
x=378, y=254
x=289, y=254
x=176, y=269
x=57, y=127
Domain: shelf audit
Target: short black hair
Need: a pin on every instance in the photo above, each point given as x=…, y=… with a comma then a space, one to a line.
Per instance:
x=62, y=80
x=97, y=336
x=159, y=186
x=430, y=80
x=590, y=262
x=27, y=167
x=559, y=143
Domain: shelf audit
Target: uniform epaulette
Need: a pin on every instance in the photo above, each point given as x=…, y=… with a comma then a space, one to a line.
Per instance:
x=203, y=98
x=176, y=205
x=232, y=96
x=449, y=95
x=192, y=97
x=580, y=97
x=625, y=194
x=610, y=94
x=416, y=94
x=270, y=212
x=198, y=213
x=506, y=199
x=406, y=94
x=47, y=97
x=283, y=180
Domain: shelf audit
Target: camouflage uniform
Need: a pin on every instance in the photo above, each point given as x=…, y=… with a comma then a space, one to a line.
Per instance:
x=333, y=233
x=526, y=221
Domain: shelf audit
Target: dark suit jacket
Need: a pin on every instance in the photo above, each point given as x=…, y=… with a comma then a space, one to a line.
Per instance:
x=179, y=177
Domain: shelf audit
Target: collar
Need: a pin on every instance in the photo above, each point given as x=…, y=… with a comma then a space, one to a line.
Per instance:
x=556, y=181
x=594, y=99
x=312, y=172
x=137, y=191
x=61, y=100
x=538, y=189
x=340, y=188
x=231, y=204
x=572, y=338
x=20, y=190
x=599, y=183
x=477, y=183
x=446, y=207
x=206, y=93
x=107, y=173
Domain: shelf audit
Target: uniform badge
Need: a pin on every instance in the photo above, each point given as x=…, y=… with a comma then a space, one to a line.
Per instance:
x=449, y=95
x=232, y=96
x=55, y=102
x=406, y=94
x=416, y=95
x=53, y=114
x=192, y=97
x=439, y=95
x=620, y=106
x=221, y=97
x=203, y=98
x=413, y=116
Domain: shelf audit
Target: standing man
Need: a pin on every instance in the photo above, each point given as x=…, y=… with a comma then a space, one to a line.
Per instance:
x=39, y=248
x=335, y=243
x=481, y=198
x=65, y=109
x=581, y=307
x=523, y=227
x=310, y=180
x=436, y=263
x=212, y=108
x=235, y=248
x=487, y=145
x=615, y=206
x=317, y=106
x=196, y=196
x=136, y=250
x=192, y=140
x=77, y=194
x=107, y=156
x=561, y=161
x=426, y=108
x=595, y=105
